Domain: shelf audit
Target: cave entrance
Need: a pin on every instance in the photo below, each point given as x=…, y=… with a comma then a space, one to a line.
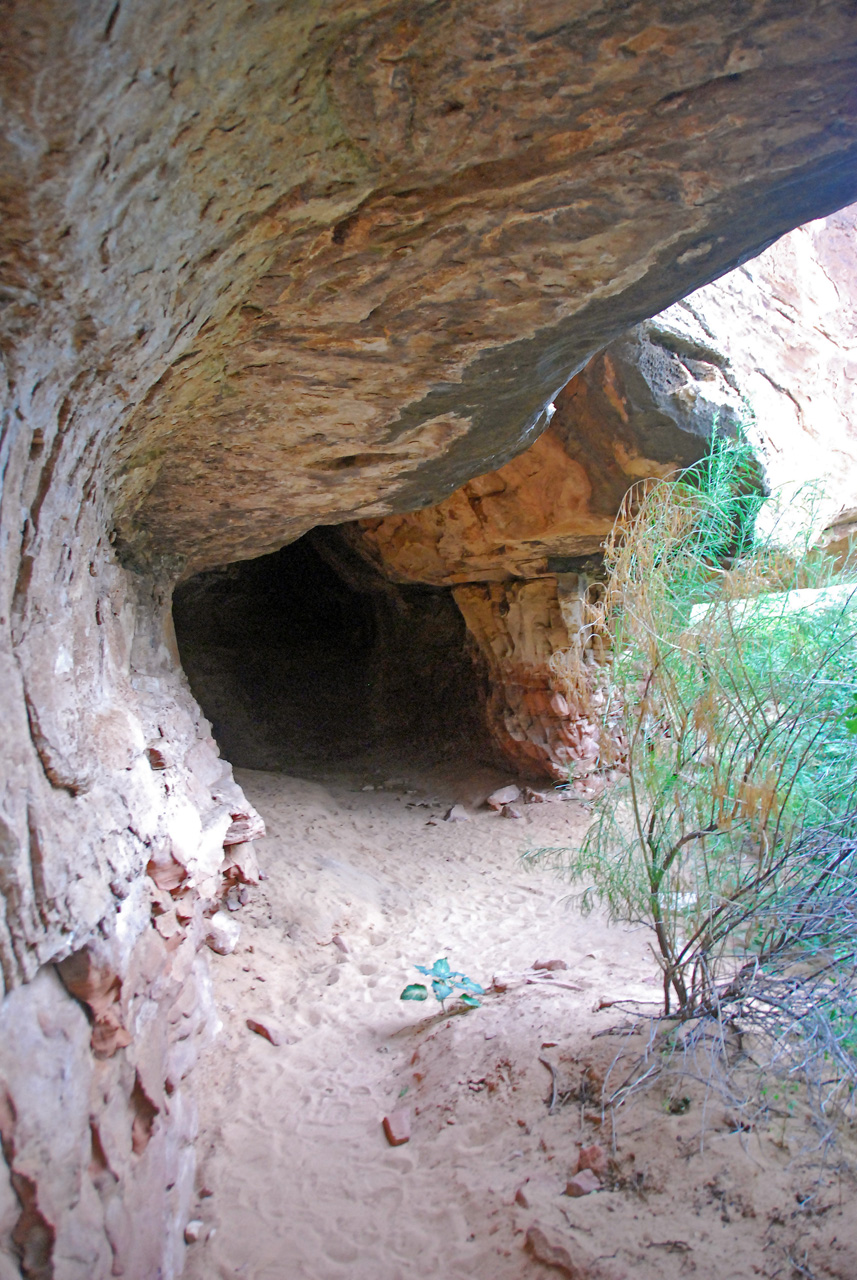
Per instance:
x=308, y=661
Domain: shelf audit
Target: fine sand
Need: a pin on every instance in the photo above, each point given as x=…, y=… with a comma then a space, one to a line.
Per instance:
x=297, y=1180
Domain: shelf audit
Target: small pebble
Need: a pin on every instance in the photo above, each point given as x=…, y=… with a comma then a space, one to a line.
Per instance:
x=268, y=1029
x=593, y=1158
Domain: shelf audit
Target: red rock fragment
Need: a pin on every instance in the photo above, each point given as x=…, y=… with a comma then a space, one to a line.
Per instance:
x=145, y=1113
x=165, y=871
x=567, y=1257
x=397, y=1126
x=245, y=826
x=240, y=863
x=167, y=925
x=550, y=965
x=593, y=1157
x=558, y=705
x=457, y=813
x=157, y=757
x=582, y=1184
x=268, y=1029
x=223, y=933
x=99, y=988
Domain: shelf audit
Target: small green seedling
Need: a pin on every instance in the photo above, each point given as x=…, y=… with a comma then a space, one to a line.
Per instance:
x=445, y=982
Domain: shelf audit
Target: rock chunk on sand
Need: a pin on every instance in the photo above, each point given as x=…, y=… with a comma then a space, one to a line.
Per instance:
x=268, y=1029
x=503, y=796
x=457, y=813
x=223, y=933
x=582, y=1184
x=567, y=1257
x=397, y=1126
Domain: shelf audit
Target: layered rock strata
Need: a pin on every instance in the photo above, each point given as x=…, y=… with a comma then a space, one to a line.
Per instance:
x=267, y=267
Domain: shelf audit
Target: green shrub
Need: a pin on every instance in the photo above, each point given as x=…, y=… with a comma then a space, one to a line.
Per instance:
x=732, y=830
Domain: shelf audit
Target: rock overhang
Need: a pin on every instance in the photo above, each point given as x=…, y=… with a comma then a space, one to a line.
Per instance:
x=297, y=238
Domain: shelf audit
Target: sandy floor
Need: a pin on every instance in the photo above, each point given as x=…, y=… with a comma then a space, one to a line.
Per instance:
x=297, y=1181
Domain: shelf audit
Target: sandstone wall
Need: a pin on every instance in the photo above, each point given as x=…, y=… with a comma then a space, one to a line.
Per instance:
x=518, y=626
x=264, y=267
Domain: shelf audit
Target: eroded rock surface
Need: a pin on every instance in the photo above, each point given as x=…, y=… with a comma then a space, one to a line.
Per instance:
x=380, y=251
x=268, y=267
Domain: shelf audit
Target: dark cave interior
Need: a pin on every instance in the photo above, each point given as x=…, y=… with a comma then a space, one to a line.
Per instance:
x=308, y=661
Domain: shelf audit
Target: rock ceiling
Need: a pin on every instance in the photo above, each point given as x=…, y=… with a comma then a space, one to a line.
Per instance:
x=331, y=260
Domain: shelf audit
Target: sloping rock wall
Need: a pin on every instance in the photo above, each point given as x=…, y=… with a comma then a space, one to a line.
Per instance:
x=264, y=267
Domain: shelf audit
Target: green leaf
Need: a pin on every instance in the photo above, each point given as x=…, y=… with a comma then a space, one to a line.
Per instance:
x=414, y=991
x=441, y=969
x=441, y=989
x=471, y=1001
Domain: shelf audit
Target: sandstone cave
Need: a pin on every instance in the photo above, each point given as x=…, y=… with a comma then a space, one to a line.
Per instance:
x=333, y=336
x=310, y=661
